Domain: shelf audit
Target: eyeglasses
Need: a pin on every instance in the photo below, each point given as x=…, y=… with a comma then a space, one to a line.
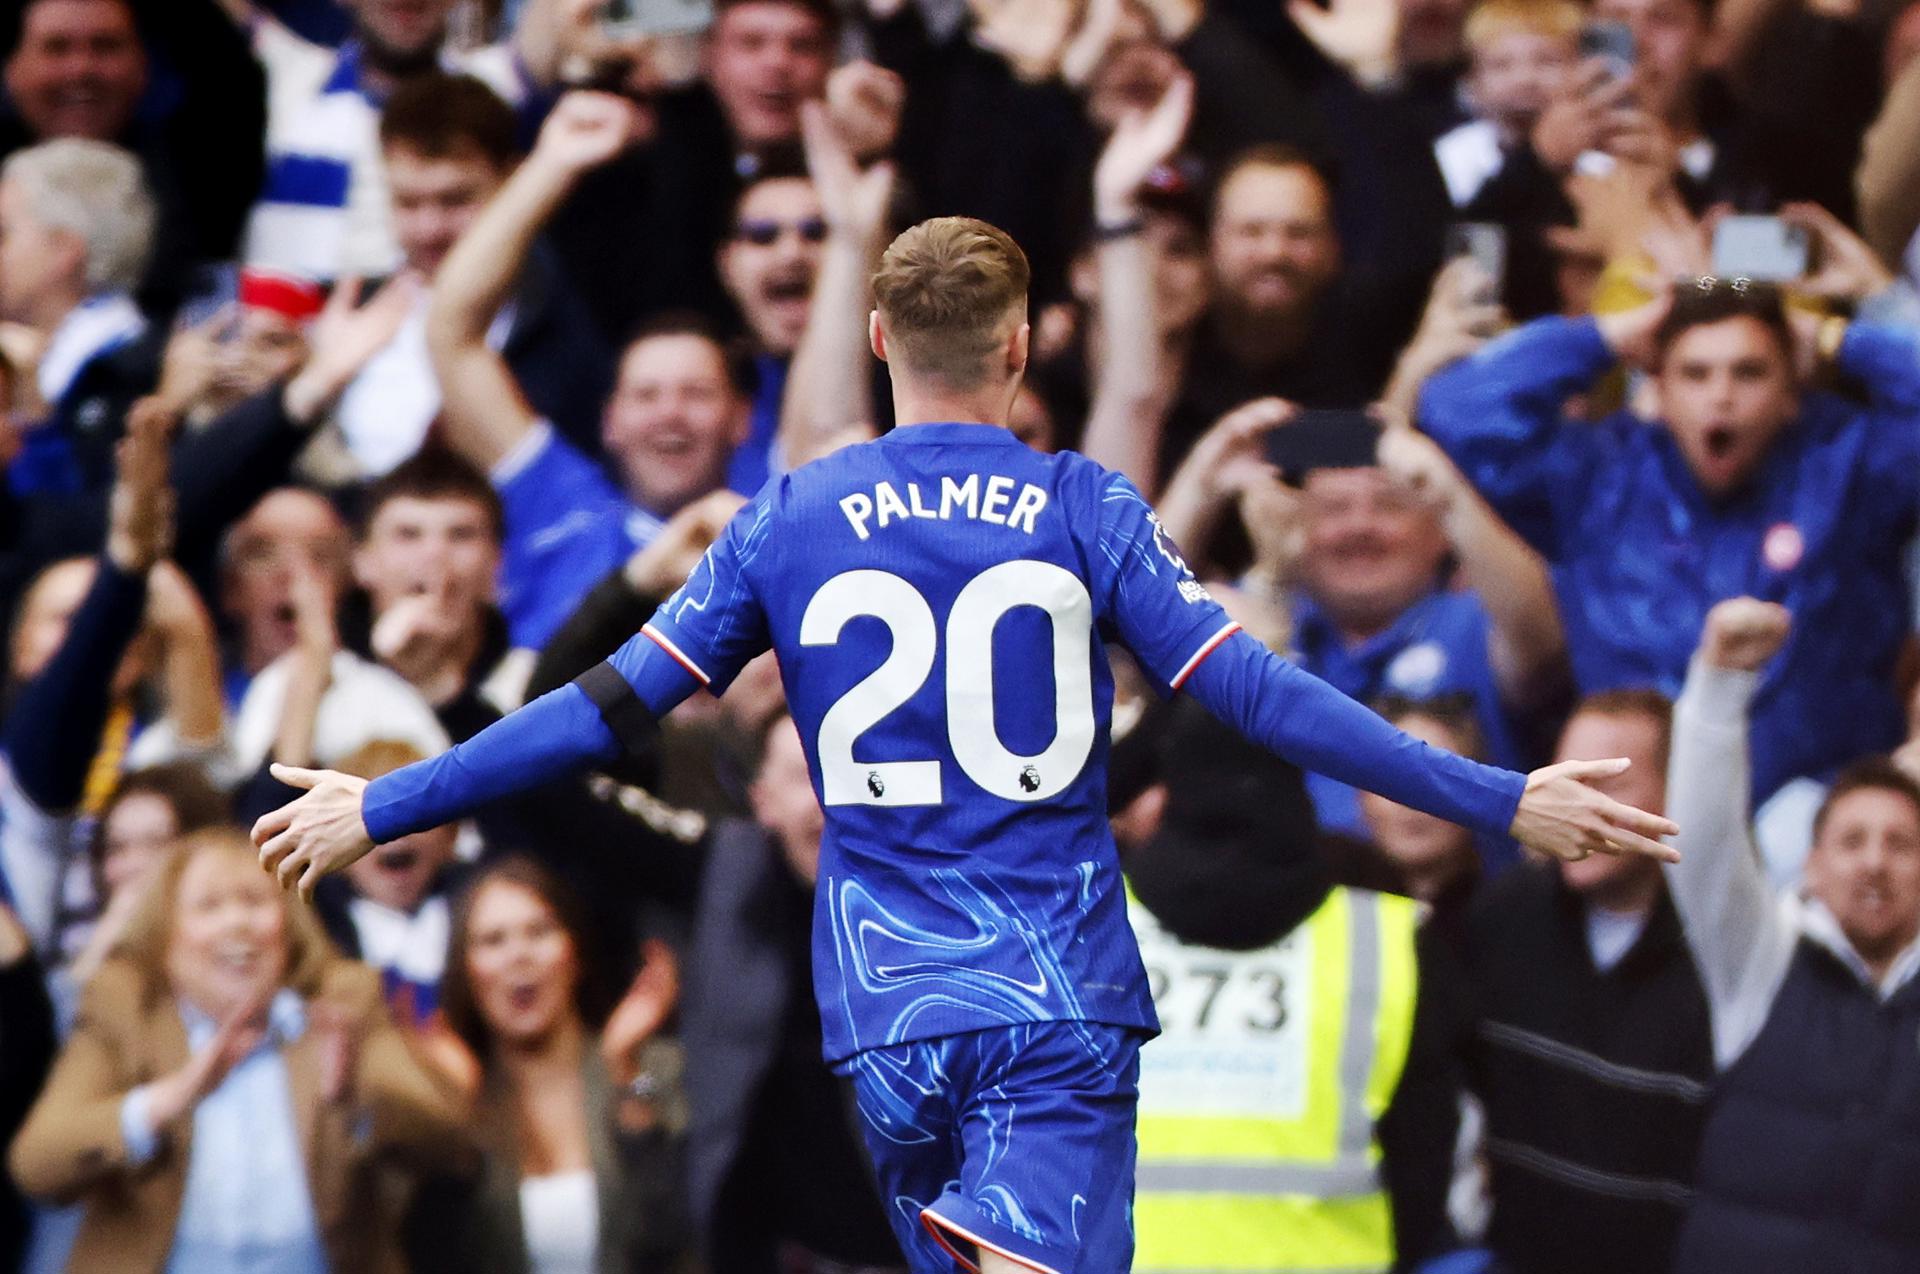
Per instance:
x=763, y=232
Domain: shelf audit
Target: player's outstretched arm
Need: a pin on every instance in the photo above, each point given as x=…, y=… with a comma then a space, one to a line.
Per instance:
x=1318, y=728
x=589, y=721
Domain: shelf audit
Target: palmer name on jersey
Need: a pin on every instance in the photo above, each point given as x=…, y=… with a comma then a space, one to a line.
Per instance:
x=991, y=499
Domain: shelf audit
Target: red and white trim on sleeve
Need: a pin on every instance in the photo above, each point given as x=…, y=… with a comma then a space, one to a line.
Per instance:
x=678, y=655
x=1212, y=644
x=938, y=1225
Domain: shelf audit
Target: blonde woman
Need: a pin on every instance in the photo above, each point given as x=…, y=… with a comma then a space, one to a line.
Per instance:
x=230, y=1087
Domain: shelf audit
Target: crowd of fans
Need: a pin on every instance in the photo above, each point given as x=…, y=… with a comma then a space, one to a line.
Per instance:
x=369, y=367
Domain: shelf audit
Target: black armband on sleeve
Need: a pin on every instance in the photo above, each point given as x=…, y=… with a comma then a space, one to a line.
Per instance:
x=631, y=721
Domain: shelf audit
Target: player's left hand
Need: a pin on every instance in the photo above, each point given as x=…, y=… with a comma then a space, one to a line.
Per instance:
x=320, y=832
x=1561, y=815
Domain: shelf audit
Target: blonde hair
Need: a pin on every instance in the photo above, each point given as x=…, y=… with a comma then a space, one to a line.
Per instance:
x=1492, y=19
x=96, y=191
x=150, y=932
x=945, y=289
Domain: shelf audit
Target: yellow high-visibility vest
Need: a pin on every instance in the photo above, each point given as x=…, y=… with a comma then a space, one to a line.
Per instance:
x=1258, y=1101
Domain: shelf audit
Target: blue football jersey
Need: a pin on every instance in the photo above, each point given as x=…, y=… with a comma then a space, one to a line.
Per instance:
x=938, y=599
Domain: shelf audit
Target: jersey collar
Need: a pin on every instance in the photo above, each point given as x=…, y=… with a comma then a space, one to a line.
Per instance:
x=950, y=432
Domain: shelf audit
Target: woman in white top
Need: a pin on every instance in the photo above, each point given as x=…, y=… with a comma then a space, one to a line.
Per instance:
x=581, y=1170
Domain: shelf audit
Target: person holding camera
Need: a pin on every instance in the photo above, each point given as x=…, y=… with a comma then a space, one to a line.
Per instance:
x=1353, y=528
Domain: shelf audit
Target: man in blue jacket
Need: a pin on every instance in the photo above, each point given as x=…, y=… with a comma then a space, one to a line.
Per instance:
x=1751, y=484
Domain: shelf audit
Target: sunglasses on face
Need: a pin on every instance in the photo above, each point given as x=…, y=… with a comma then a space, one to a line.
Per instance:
x=765, y=231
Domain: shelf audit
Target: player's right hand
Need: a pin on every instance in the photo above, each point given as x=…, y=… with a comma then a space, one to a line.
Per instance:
x=321, y=831
x=1563, y=816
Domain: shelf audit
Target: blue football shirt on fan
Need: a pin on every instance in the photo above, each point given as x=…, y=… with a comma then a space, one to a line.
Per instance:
x=567, y=527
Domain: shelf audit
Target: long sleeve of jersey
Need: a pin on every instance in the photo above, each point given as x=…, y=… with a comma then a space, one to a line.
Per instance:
x=1182, y=637
x=1313, y=725
x=701, y=636
x=562, y=732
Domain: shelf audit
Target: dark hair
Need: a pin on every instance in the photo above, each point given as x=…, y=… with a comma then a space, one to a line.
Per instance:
x=739, y=364
x=434, y=473
x=1270, y=155
x=776, y=163
x=1636, y=701
x=457, y=998
x=1874, y=774
x=441, y=116
x=184, y=786
x=1709, y=300
x=1453, y=711
x=824, y=10
x=13, y=23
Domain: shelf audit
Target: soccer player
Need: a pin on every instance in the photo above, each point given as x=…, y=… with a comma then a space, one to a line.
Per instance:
x=938, y=600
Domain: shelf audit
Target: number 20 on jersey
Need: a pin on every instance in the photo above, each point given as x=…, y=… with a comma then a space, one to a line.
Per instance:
x=971, y=732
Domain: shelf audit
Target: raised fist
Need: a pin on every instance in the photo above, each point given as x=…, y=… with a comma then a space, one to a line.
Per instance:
x=1743, y=633
x=586, y=129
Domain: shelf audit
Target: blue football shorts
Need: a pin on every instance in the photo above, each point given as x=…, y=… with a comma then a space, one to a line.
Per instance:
x=1017, y=1140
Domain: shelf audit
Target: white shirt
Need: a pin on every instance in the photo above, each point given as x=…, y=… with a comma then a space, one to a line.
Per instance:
x=413, y=945
x=1742, y=932
x=324, y=210
x=96, y=326
x=1468, y=156
x=1611, y=934
x=246, y=1208
x=387, y=409
x=560, y=1222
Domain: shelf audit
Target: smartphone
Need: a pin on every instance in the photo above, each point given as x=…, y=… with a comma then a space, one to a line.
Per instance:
x=1765, y=249
x=1612, y=42
x=1324, y=439
x=1485, y=242
x=214, y=290
x=625, y=19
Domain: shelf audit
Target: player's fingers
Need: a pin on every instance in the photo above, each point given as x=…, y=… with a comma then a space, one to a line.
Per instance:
x=271, y=824
x=1638, y=820
x=1306, y=15
x=288, y=872
x=1586, y=771
x=294, y=776
x=1621, y=841
x=275, y=850
x=308, y=880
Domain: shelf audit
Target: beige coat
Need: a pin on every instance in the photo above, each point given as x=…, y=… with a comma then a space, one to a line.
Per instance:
x=129, y=1033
